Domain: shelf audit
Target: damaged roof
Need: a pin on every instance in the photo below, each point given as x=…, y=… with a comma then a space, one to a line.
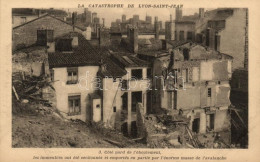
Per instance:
x=129, y=60
x=222, y=14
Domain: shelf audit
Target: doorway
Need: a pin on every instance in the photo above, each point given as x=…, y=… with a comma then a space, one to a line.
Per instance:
x=196, y=125
x=136, y=97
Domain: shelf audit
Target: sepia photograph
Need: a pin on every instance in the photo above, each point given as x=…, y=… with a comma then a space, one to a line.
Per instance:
x=173, y=78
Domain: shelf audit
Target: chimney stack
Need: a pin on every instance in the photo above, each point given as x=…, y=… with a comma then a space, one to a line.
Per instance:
x=201, y=13
x=156, y=27
x=123, y=18
x=178, y=14
x=103, y=19
x=74, y=19
x=75, y=40
x=133, y=37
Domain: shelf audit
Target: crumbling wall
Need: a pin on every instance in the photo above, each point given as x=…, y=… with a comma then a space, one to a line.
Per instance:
x=189, y=98
x=222, y=120
x=140, y=121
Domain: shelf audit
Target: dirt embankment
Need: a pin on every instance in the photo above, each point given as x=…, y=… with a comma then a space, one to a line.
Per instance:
x=35, y=125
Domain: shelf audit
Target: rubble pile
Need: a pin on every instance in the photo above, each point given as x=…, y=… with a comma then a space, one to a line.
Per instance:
x=28, y=88
x=168, y=129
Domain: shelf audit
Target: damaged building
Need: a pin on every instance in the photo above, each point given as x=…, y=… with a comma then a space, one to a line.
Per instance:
x=96, y=84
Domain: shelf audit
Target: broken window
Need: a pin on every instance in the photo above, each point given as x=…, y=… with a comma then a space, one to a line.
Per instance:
x=74, y=105
x=72, y=75
x=186, y=54
x=137, y=73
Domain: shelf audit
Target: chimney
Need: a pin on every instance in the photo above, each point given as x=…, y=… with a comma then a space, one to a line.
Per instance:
x=123, y=18
x=133, y=33
x=75, y=40
x=39, y=13
x=178, y=14
x=169, y=30
x=156, y=27
x=50, y=41
x=88, y=33
x=201, y=13
x=104, y=37
x=103, y=19
x=74, y=19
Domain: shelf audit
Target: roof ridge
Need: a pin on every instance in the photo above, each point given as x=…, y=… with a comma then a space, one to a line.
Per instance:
x=45, y=16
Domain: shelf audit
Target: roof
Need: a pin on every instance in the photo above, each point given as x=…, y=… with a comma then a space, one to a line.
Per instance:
x=129, y=60
x=222, y=14
x=45, y=16
x=111, y=69
x=24, y=11
x=199, y=52
x=175, y=43
x=84, y=54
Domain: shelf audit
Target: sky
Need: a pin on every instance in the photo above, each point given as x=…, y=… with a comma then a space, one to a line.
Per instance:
x=111, y=14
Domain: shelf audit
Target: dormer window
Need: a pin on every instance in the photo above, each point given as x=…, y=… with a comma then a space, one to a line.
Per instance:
x=137, y=74
x=64, y=45
x=72, y=75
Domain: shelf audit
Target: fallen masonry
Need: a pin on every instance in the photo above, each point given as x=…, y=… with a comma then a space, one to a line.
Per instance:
x=170, y=130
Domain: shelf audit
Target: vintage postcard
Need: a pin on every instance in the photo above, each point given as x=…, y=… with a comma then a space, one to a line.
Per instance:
x=125, y=81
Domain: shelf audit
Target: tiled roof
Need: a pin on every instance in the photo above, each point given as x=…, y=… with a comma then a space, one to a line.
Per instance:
x=111, y=69
x=84, y=54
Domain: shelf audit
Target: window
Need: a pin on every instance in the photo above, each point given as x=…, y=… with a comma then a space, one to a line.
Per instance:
x=189, y=35
x=72, y=75
x=186, y=54
x=97, y=106
x=114, y=108
x=209, y=92
x=137, y=73
x=181, y=35
x=74, y=105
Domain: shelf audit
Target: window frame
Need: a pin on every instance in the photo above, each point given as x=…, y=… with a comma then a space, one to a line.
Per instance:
x=72, y=109
x=74, y=78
